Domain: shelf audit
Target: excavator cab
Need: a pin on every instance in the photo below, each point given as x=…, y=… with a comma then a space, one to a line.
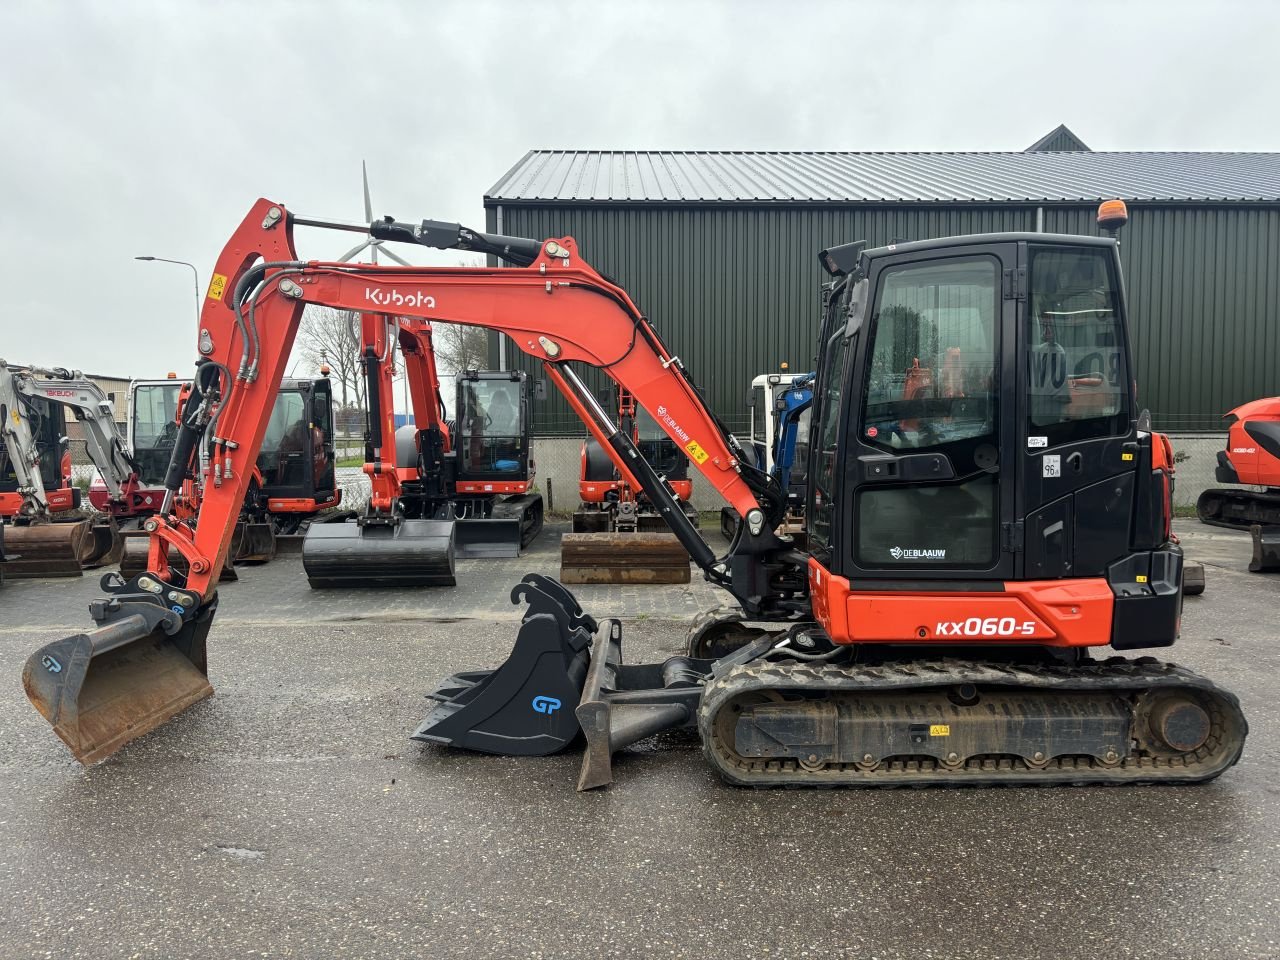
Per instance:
x=497, y=511
x=297, y=459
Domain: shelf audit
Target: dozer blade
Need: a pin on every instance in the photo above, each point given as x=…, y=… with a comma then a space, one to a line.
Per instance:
x=486, y=539
x=410, y=553
x=253, y=542
x=48, y=549
x=526, y=706
x=106, y=687
x=133, y=558
x=623, y=558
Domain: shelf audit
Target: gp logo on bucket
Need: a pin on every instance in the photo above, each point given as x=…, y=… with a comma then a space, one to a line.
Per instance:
x=51, y=664
x=545, y=704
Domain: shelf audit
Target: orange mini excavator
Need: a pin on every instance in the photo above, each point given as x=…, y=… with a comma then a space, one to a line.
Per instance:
x=968, y=550
x=618, y=535
x=1252, y=457
x=439, y=490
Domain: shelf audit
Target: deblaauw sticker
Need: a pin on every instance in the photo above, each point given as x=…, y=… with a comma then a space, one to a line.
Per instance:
x=1037, y=442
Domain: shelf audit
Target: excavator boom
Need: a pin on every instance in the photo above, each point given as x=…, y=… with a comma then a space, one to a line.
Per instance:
x=554, y=307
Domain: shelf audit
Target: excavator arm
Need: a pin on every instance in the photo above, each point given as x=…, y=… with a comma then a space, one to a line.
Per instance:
x=20, y=443
x=555, y=308
x=149, y=644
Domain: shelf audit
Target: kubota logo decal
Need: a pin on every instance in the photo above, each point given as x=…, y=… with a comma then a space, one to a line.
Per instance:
x=394, y=298
x=545, y=705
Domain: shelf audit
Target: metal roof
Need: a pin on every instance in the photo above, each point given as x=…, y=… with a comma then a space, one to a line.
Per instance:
x=595, y=176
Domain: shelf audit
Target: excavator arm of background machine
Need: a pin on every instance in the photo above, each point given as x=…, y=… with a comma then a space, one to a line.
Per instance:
x=104, y=443
x=19, y=442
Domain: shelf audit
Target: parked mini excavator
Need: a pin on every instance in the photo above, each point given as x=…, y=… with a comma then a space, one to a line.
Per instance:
x=969, y=545
x=35, y=481
x=294, y=478
x=439, y=491
x=618, y=535
x=1252, y=457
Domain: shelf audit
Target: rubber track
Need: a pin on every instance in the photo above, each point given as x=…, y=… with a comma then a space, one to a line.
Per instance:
x=1124, y=677
x=1263, y=503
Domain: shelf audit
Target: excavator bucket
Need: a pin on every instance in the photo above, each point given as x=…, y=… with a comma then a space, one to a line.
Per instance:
x=108, y=544
x=406, y=553
x=58, y=549
x=623, y=558
x=253, y=542
x=111, y=685
x=487, y=539
x=134, y=554
x=526, y=706
x=1266, y=549
x=565, y=677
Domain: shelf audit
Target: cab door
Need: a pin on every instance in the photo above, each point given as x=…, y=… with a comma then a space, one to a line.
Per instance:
x=323, y=451
x=1077, y=442
x=929, y=477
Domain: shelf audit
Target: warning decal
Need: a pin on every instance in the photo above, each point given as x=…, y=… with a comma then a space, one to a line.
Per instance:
x=696, y=452
x=216, y=286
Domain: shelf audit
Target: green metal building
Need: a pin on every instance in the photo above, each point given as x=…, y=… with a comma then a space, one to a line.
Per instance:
x=719, y=249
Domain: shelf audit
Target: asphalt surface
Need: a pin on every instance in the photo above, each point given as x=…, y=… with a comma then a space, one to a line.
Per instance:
x=290, y=816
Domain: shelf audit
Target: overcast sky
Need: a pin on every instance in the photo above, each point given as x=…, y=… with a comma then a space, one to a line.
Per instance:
x=135, y=128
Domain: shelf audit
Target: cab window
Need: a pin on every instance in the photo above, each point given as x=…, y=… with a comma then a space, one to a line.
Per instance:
x=1076, y=370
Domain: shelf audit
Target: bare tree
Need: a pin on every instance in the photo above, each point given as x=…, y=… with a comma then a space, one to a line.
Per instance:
x=460, y=347
x=331, y=336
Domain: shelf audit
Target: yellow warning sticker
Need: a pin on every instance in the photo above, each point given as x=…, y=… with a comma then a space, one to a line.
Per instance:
x=1140, y=578
x=699, y=455
x=1126, y=456
x=216, y=286
x=940, y=730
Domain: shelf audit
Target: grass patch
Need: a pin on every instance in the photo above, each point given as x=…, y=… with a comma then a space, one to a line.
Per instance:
x=351, y=462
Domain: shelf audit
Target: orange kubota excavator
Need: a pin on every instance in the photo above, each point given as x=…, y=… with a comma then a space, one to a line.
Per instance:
x=967, y=549
x=438, y=490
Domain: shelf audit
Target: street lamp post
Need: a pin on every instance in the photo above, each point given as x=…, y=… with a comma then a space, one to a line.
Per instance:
x=195, y=278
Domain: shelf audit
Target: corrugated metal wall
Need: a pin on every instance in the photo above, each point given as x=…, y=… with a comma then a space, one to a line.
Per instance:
x=734, y=289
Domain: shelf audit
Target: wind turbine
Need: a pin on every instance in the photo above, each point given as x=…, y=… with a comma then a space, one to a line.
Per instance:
x=372, y=244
